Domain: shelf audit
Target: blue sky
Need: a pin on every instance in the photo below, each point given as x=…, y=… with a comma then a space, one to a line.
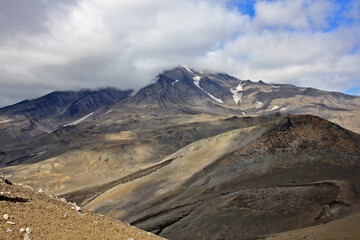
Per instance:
x=353, y=91
x=74, y=44
x=339, y=18
x=245, y=6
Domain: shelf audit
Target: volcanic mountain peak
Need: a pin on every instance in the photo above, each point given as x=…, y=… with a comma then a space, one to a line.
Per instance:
x=180, y=158
x=179, y=90
x=187, y=90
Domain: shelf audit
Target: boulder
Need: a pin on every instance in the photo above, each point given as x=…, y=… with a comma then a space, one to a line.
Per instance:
x=4, y=180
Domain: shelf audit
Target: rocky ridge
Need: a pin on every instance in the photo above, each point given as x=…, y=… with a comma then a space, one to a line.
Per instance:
x=177, y=91
x=26, y=214
x=30, y=118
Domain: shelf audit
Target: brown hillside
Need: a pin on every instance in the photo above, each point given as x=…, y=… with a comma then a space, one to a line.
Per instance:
x=292, y=173
x=51, y=218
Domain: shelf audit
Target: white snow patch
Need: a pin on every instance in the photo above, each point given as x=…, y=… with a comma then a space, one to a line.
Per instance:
x=237, y=95
x=275, y=107
x=275, y=86
x=79, y=120
x=175, y=82
x=133, y=93
x=283, y=109
x=215, y=98
x=108, y=111
x=5, y=120
x=242, y=111
x=187, y=68
x=259, y=104
x=240, y=87
x=197, y=83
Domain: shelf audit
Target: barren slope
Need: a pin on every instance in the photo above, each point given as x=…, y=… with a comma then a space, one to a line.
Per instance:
x=345, y=228
x=51, y=218
x=295, y=172
x=88, y=155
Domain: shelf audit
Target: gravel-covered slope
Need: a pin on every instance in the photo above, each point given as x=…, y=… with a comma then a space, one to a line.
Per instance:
x=26, y=214
x=291, y=173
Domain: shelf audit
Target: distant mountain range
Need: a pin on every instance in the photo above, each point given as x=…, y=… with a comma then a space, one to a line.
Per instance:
x=193, y=154
x=176, y=91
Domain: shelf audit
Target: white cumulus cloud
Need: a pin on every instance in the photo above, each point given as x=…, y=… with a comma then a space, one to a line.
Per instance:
x=70, y=45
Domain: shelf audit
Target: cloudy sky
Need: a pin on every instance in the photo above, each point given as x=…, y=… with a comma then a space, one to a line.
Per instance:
x=48, y=45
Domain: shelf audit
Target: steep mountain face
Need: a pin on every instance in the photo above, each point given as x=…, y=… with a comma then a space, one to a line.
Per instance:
x=181, y=88
x=177, y=91
x=185, y=90
x=192, y=155
x=30, y=118
x=16, y=131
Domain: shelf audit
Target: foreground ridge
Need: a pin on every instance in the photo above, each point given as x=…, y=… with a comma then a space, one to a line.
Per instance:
x=26, y=214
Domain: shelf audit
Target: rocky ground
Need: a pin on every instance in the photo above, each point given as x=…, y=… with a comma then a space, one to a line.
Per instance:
x=26, y=214
x=292, y=173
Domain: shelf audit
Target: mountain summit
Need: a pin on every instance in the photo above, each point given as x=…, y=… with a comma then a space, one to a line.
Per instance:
x=193, y=154
x=180, y=90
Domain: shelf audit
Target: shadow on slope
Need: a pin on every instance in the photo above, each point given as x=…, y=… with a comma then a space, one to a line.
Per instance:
x=291, y=173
